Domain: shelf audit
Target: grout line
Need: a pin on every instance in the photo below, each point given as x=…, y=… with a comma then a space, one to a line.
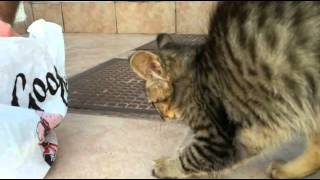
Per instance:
x=63, y=24
x=31, y=5
x=175, y=18
x=115, y=16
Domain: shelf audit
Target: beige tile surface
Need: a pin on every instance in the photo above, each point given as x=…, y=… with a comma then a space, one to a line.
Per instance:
x=185, y=17
x=109, y=147
x=84, y=51
x=94, y=17
x=145, y=17
x=193, y=16
x=48, y=11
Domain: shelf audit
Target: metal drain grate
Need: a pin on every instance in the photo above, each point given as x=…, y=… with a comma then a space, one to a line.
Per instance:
x=111, y=86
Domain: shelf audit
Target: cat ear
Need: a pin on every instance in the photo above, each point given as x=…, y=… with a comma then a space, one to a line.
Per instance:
x=146, y=65
x=163, y=39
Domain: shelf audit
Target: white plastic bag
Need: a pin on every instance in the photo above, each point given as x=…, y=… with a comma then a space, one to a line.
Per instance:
x=20, y=153
x=32, y=76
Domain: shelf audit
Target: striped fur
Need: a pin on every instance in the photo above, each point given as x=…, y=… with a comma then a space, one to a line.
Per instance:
x=254, y=84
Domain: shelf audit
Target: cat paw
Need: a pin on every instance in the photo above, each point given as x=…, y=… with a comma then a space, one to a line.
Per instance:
x=168, y=168
x=276, y=170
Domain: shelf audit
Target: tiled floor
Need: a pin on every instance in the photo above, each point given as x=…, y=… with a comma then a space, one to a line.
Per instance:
x=84, y=51
x=96, y=146
x=110, y=147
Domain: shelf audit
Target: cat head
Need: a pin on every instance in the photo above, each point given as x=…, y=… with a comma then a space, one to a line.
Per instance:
x=166, y=73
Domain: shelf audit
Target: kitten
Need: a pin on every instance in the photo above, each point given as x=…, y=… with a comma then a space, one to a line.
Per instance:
x=253, y=84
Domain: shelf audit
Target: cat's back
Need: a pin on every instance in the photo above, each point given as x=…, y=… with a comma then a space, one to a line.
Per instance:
x=258, y=49
x=270, y=27
x=267, y=40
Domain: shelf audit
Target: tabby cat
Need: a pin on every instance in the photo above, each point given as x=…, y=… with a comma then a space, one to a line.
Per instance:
x=254, y=83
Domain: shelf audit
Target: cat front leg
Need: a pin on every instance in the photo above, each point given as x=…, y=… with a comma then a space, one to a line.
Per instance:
x=201, y=159
x=171, y=168
x=168, y=168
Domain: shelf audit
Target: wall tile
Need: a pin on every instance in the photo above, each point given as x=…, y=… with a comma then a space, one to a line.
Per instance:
x=48, y=11
x=193, y=16
x=93, y=17
x=145, y=17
